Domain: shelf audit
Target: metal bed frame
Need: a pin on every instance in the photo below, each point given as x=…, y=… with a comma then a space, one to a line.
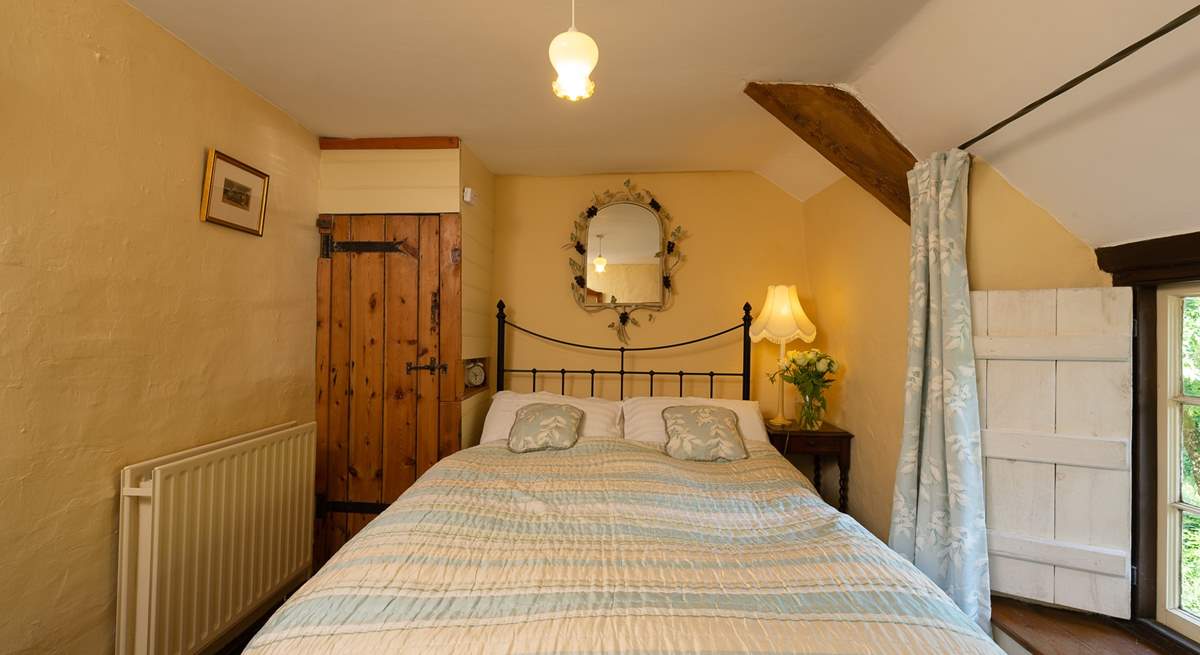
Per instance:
x=502, y=325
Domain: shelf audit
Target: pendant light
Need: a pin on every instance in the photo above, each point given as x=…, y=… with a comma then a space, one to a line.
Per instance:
x=599, y=262
x=573, y=55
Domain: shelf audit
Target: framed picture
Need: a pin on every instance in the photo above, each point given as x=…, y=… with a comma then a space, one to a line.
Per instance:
x=235, y=195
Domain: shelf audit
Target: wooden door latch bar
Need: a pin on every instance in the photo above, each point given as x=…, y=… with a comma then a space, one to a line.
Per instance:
x=330, y=246
x=433, y=366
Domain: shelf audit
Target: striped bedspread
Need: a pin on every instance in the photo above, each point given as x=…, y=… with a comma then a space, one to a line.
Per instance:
x=614, y=547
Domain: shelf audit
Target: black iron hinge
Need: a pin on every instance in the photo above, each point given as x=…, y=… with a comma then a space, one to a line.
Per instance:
x=326, y=246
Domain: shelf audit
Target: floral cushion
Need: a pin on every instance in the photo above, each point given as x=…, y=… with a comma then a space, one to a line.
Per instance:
x=703, y=433
x=544, y=426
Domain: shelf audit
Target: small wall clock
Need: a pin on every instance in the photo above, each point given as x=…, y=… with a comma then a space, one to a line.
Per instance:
x=475, y=374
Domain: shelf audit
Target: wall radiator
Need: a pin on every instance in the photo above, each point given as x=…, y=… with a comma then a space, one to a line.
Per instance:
x=211, y=537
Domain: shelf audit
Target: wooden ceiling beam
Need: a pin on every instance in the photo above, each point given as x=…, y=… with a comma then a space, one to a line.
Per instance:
x=837, y=125
x=1153, y=261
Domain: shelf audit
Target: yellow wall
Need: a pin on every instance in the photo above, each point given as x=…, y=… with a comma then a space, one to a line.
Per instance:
x=743, y=234
x=478, y=300
x=1012, y=243
x=857, y=254
x=128, y=328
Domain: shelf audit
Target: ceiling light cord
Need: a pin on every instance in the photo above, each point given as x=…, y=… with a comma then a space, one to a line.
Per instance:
x=1080, y=79
x=572, y=14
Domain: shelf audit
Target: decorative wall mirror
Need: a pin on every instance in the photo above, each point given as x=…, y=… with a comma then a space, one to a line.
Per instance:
x=624, y=255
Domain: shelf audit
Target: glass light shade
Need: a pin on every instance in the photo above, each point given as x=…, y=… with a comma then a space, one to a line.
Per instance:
x=573, y=55
x=599, y=263
x=782, y=319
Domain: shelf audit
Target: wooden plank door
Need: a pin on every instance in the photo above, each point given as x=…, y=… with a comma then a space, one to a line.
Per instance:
x=385, y=390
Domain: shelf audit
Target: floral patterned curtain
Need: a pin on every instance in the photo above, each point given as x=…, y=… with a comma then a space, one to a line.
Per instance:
x=938, y=506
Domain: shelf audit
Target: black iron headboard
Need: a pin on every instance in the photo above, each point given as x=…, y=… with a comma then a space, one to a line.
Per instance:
x=502, y=323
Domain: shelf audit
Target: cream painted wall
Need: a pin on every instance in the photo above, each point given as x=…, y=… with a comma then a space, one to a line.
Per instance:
x=478, y=300
x=478, y=219
x=743, y=234
x=857, y=254
x=389, y=181
x=128, y=328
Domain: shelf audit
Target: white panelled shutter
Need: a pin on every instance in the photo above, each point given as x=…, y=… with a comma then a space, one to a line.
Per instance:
x=1055, y=401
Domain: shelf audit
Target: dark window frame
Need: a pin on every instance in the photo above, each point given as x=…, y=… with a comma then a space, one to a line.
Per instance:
x=1144, y=266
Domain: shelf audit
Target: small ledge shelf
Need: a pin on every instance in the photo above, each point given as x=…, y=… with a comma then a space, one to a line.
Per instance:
x=474, y=391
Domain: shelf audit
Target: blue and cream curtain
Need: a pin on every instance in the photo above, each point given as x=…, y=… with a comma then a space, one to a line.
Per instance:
x=938, y=506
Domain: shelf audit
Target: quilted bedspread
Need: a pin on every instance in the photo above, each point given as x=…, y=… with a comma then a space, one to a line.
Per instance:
x=614, y=547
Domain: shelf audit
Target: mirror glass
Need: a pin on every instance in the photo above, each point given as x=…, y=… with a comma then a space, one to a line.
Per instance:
x=627, y=238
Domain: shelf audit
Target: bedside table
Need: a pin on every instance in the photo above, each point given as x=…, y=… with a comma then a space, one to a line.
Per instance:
x=828, y=439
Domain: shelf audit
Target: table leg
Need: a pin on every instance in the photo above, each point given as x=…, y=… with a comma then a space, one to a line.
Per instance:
x=816, y=479
x=844, y=477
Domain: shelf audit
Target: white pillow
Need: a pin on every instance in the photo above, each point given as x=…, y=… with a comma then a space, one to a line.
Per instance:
x=644, y=421
x=601, y=418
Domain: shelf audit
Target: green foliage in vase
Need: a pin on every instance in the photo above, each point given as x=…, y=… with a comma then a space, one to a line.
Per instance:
x=811, y=372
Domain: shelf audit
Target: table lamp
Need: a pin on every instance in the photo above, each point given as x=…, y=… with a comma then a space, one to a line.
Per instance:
x=781, y=320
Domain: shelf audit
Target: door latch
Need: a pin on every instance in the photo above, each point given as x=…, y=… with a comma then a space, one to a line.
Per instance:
x=433, y=366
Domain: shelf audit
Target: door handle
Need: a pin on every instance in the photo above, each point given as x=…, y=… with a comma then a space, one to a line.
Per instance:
x=433, y=366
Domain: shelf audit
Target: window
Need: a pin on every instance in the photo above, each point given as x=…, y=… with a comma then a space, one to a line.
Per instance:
x=1179, y=458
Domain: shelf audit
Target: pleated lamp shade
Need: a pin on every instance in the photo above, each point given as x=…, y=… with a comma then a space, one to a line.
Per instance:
x=782, y=319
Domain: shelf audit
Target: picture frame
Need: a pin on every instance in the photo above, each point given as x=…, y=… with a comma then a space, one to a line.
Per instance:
x=235, y=194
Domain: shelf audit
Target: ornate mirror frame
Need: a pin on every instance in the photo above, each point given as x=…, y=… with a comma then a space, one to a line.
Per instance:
x=668, y=253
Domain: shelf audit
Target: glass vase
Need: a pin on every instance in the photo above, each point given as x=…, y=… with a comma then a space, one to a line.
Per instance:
x=810, y=412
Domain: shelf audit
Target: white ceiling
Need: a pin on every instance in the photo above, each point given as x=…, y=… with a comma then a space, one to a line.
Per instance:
x=668, y=85
x=1116, y=159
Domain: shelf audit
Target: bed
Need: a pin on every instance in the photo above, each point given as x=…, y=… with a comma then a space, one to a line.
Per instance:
x=613, y=546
